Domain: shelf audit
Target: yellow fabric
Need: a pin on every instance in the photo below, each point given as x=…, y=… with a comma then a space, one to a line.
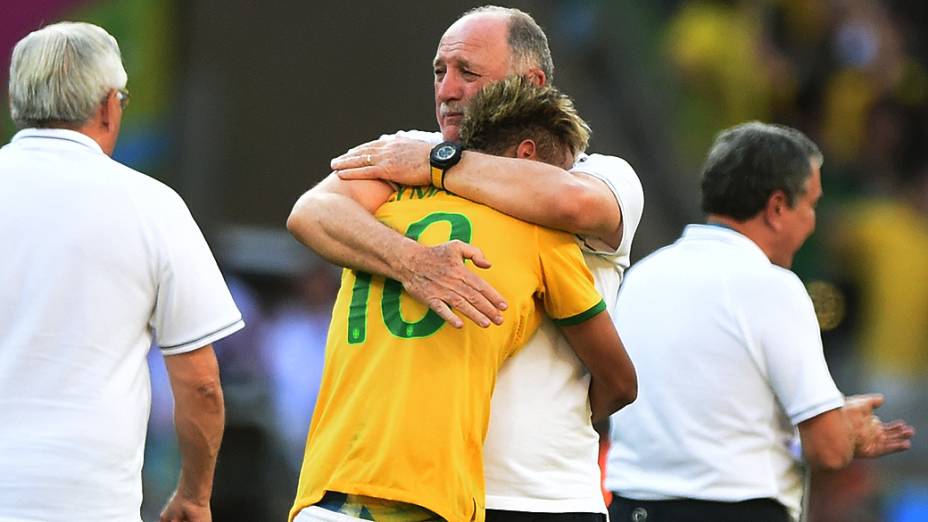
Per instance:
x=405, y=418
x=889, y=243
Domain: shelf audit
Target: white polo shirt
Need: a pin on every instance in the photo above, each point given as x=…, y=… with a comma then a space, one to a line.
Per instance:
x=541, y=451
x=96, y=258
x=729, y=360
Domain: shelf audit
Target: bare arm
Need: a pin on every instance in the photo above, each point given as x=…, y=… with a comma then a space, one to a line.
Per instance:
x=199, y=417
x=529, y=190
x=830, y=440
x=614, y=383
x=335, y=219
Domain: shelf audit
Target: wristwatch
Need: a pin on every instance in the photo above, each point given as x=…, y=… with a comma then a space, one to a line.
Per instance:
x=444, y=156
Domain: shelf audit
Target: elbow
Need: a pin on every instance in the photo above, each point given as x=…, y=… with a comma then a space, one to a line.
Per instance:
x=626, y=385
x=572, y=208
x=301, y=218
x=294, y=222
x=211, y=397
x=581, y=210
x=619, y=394
x=618, y=401
x=626, y=394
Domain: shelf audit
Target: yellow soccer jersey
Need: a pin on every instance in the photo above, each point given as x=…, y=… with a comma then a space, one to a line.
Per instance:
x=404, y=401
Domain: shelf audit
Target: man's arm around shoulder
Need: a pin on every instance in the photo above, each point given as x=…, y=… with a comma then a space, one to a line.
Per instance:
x=576, y=201
x=335, y=219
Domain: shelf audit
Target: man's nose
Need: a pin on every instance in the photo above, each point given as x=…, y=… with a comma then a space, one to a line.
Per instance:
x=450, y=87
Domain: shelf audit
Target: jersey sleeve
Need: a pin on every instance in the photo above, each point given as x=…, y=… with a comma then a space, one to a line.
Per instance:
x=793, y=354
x=193, y=306
x=568, y=293
x=622, y=180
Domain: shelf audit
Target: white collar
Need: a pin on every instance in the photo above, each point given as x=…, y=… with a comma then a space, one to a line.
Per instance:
x=58, y=134
x=724, y=234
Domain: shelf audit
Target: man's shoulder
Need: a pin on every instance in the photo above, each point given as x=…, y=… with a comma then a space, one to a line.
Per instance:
x=147, y=188
x=426, y=136
x=623, y=181
x=603, y=165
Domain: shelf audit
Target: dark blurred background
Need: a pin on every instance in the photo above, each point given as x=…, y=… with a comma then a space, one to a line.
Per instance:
x=240, y=105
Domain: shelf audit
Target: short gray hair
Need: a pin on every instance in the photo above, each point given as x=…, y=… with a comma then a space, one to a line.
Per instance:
x=61, y=73
x=527, y=40
x=749, y=162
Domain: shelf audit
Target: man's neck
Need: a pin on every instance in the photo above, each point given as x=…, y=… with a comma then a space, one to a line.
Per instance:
x=753, y=228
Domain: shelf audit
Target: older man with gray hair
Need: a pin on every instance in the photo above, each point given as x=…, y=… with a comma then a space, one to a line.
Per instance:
x=99, y=259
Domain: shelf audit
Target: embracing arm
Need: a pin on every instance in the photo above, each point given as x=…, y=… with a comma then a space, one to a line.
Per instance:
x=335, y=219
x=199, y=417
x=613, y=382
x=529, y=190
x=540, y=193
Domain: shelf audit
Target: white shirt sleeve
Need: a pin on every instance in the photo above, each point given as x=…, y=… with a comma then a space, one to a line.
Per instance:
x=193, y=307
x=792, y=347
x=622, y=180
x=433, y=138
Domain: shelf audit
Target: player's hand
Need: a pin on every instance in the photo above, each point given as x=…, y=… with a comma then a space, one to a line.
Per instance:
x=884, y=438
x=400, y=160
x=181, y=509
x=438, y=277
x=872, y=437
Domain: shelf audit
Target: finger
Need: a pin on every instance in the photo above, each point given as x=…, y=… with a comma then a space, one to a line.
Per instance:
x=481, y=296
x=875, y=400
x=476, y=255
x=866, y=400
x=351, y=155
x=444, y=311
x=463, y=306
x=360, y=173
x=899, y=428
x=895, y=446
x=484, y=289
x=486, y=293
x=354, y=161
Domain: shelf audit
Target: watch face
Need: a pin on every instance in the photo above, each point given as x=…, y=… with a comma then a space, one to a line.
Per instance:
x=444, y=152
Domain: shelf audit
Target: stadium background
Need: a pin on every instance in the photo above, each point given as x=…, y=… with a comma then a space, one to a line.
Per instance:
x=239, y=105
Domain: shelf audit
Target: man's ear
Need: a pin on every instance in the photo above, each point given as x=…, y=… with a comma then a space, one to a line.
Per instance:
x=536, y=76
x=526, y=150
x=107, y=109
x=777, y=203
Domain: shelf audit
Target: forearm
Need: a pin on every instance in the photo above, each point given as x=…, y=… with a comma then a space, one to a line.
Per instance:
x=537, y=192
x=336, y=219
x=345, y=233
x=827, y=440
x=613, y=382
x=199, y=417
